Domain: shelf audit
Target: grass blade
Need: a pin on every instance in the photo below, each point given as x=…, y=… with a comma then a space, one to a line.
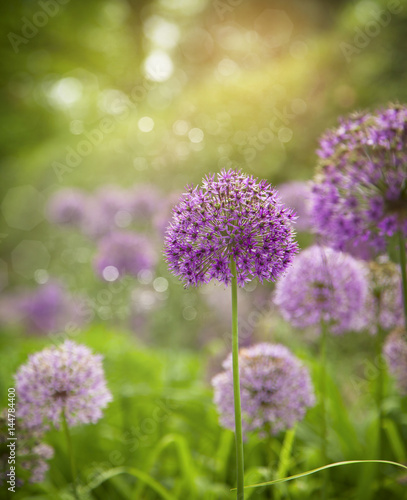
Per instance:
x=319, y=469
x=142, y=476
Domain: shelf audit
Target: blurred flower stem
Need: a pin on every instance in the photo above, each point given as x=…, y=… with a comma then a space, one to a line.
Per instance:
x=70, y=453
x=236, y=387
x=379, y=390
x=402, y=250
x=322, y=382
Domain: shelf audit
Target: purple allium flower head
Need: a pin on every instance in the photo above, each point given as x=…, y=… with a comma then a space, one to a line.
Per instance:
x=360, y=191
x=276, y=389
x=49, y=308
x=67, y=378
x=323, y=285
x=233, y=216
x=67, y=207
x=384, y=304
x=296, y=196
x=395, y=353
x=121, y=253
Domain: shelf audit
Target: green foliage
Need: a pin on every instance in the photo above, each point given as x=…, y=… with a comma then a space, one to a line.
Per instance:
x=160, y=437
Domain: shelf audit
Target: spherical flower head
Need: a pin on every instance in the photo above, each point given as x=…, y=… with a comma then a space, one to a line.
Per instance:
x=67, y=207
x=360, y=191
x=121, y=253
x=395, y=353
x=323, y=285
x=296, y=195
x=231, y=217
x=276, y=389
x=384, y=304
x=68, y=378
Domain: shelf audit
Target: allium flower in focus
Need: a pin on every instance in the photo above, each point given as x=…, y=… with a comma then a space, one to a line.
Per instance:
x=68, y=378
x=233, y=216
x=323, y=285
x=276, y=389
x=360, y=191
x=121, y=253
x=384, y=305
x=67, y=207
x=296, y=196
x=395, y=353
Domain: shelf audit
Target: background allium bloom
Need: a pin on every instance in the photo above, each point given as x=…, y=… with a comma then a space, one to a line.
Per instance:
x=276, y=389
x=296, y=195
x=65, y=378
x=323, y=284
x=232, y=216
x=107, y=211
x=144, y=201
x=395, y=353
x=50, y=308
x=67, y=207
x=360, y=191
x=384, y=303
x=34, y=460
x=121, y=253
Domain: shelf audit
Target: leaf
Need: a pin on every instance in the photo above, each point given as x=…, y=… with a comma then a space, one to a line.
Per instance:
x=319, y=469
x=142, y=476
x=395, y=440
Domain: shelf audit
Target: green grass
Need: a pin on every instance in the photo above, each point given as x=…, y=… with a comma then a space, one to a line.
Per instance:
x=160, y=437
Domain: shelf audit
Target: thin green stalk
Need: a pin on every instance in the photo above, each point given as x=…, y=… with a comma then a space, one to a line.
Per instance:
x=402, y=250
x=379, y=389
x=70, y=453
x=323, y=404
x=236, y=388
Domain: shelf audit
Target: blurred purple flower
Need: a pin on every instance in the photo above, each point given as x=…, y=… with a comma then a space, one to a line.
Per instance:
x=296, y=195
x=144, y=201
x=323, y=285
x=67, y=207
x=67, y=378
x=50, y=308
x=32, y=452
x=121, y=253
x=360, y=191
x=234, y=216
x=107, y=211
x=276, y=389
x=34, y=460
x=395, y=353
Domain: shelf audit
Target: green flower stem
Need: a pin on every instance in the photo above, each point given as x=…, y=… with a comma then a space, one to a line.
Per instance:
x=70, y=453
x=236, y=387
x=379, y=388
x=402, y=250
x=323, y=404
